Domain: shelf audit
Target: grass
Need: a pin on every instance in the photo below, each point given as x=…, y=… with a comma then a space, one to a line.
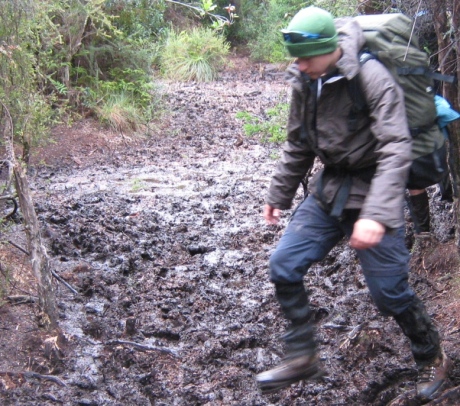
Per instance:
x=194, y=55
x=119, y=113
x=271, y=128
x=138, y=185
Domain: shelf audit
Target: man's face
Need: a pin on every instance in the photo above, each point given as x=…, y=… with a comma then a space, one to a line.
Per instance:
x=315, y=66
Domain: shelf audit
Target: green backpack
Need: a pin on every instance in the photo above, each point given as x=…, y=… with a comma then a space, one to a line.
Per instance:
x=389, y=39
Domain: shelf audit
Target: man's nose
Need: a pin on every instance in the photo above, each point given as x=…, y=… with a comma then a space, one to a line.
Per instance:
x=303, y=65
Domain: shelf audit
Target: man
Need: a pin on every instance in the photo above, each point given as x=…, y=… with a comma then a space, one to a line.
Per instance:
x=360, y=194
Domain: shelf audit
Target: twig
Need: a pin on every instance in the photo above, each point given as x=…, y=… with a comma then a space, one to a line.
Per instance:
x=355, y=332
x=66, y=284
x=29, y=374
x=18, y=247
x=352, y=335
x=21, y=299
x=142, y=347
x=340, y=327
x=73, y=290
x=51, y=378
x=6, y=197
x=412, y=31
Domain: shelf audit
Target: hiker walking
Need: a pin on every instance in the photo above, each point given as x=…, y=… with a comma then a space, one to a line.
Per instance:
x=358, y=194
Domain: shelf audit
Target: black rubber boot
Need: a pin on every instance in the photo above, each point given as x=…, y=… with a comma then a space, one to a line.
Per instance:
x=433, y=365
x=301, y=360
x=420, y=210
x=446, y=188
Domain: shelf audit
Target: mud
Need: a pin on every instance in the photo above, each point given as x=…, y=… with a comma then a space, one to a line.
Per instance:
x=165, y=244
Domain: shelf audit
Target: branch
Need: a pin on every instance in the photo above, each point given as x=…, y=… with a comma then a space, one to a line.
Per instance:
x=30, y=374
x=21, y=299
x=51, y=378
x=142, y=347
x=73, y=290
x=223, y=20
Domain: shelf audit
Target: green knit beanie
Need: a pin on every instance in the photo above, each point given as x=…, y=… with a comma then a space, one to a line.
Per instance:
x=311, y=32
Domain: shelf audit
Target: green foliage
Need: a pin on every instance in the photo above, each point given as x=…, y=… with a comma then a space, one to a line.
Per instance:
x=138, y=185
x=342, y=8
x=138, y=19
x=272, y=128
x=251, y=124
x=28, y=104
x=63, y=30
x=206, y=11
x=126, y=104
x=57, y=57
x=194, y=55
x=260, y=25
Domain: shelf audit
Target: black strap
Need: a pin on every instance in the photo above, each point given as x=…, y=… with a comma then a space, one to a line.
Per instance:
x=341, y=197
x=423, y=71
x=313, y=86
x=343, y=192
x=416, y=131
x=359, y=103
x=314, y=95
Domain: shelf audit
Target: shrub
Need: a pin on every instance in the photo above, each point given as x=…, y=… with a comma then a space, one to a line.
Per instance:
x=138, y=18
x=114, y=73
x=194, y=55
x=119, y=113
x=125, y=105
x=29, y=105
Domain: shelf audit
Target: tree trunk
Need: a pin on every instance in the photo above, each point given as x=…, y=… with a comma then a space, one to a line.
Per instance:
x=449, y=64
x=456, y=101
x=37, y=252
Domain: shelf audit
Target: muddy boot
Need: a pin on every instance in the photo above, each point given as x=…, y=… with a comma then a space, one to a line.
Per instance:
x=432, y=376
x=301, y=360
x=420, y=210
x=433, y=365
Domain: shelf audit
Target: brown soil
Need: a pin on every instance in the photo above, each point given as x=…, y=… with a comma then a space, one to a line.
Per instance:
x=162, y=237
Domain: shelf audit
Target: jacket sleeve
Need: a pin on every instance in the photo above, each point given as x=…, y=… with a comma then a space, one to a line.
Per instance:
x=295, y=161
x=385, y=199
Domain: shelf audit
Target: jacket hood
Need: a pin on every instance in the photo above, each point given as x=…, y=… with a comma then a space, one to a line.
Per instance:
x=351, y=40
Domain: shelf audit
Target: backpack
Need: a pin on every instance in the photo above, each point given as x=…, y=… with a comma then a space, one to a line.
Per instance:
x=389, y=39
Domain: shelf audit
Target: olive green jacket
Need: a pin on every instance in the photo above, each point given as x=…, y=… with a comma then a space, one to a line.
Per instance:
x=377, y=154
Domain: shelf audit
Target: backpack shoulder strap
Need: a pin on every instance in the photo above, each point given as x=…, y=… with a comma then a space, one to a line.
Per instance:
x=356, y=94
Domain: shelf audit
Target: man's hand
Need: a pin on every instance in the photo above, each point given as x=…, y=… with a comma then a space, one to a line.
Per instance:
x=366, y=234
x=271, y=215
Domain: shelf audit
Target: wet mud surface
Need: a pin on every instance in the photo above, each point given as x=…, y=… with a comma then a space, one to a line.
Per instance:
x=165, y=244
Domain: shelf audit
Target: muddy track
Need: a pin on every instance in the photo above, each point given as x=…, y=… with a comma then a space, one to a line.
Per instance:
x=166, y=246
